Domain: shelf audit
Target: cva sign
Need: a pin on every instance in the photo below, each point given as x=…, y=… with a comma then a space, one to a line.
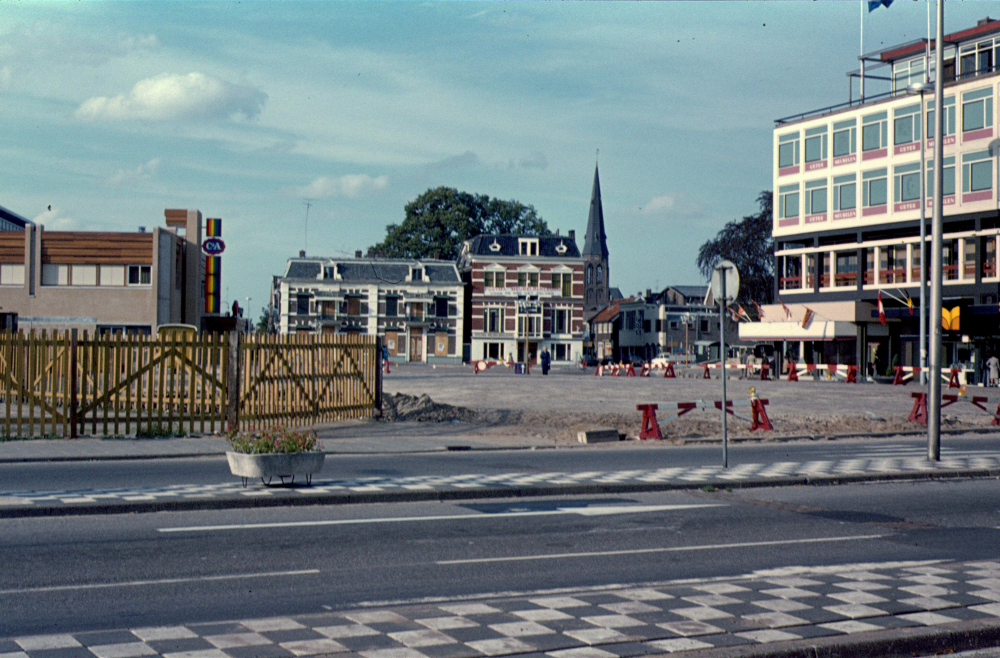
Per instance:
x=213, y=246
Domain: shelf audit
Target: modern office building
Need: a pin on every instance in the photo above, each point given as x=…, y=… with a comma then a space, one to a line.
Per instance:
x=416, y=306
x=102, y=281
x=847, y=213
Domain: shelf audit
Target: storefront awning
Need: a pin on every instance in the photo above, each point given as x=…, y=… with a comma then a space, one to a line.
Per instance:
x=815, y=330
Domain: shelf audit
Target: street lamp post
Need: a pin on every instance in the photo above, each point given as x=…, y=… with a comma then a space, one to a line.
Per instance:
x=920, y=88
x=934, y=385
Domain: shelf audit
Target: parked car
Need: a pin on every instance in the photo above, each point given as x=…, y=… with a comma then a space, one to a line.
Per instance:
x=589, y=360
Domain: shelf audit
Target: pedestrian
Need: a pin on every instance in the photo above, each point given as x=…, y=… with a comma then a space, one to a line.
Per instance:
x=546, y=360
x=993, y=365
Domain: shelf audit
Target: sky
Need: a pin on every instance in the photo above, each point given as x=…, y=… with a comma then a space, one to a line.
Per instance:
x=111, y=112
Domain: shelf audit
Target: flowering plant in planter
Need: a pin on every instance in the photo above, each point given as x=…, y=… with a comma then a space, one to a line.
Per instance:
x=273, y=439
x=275, y=452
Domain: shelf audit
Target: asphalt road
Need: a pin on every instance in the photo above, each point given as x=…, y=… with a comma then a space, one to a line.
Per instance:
x=623, y=456
x=69, y=574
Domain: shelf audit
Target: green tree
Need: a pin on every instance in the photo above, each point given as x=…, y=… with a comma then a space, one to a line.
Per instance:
x=264, y=321
x=439, y=220
x=749, y=244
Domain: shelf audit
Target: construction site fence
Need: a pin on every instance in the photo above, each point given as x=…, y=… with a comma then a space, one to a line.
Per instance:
x=70, y=384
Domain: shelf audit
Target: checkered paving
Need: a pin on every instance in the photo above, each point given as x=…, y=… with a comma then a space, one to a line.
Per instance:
x=611, y=623
x=910, y=460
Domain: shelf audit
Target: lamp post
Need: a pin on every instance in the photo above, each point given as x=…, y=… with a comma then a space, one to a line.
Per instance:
x=920, y=88
x=934, y=385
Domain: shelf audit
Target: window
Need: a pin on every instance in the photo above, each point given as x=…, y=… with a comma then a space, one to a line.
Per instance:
x=11, y=274
x=788, y=201
x=112, y=275
x=873, y=188
x=493, y=320
x=949, y=117
x=441, y=307
x=845, y=192
x=874, y=131
x=816, y=197
x=302, y=305
x=906, y=124
x=600, y=278
x=977, y=109
x=947, y=174
x=55, y=275
x=391, y=307
x=907, y=72
x=976, y=59
x=788, y=150
x=590, y=275
x=845, y=137
x=977, y=171
x=906, y=183
x=847, y=269
x=417, y=274
x=532, y=279
x=816, y=144
x=704, y=325
x=83, y=275
x=138, y=275
x=559, y=324
x=791, y=273
x=528, y=247
x=563, y=282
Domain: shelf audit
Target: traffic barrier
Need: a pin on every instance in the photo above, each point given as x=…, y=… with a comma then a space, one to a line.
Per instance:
x=668, y=372
x=645, y=370
x=387, y=362
x=628, y=370
x=650, y=428
x=848, y=372
x=760, y=420
x=483, y=366
x=919, y=412
x=905, y=374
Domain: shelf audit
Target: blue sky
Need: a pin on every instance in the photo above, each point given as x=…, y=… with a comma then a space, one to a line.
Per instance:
x=112, y=111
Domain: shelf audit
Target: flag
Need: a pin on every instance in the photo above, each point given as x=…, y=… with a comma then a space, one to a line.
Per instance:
x=807, y=317
x=788, y=311
x=742, y=313
x=875, y=4
x=760, y=311
x=909, y=304
x=733, y=313
x=881, y=308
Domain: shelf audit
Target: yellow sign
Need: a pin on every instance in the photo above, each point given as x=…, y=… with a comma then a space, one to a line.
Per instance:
x=951, y=320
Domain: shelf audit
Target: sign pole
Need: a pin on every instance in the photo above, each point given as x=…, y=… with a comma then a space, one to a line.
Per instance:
x=722, y=359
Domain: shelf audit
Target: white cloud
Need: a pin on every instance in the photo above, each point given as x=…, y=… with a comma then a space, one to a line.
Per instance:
x=467, y=159
x=54, y=220
x=536, y=160
x=352, y=186
x=167, y=97
x=142, y=172
x=658, y=205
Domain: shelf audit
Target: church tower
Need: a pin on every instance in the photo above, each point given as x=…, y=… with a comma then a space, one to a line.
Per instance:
x=596, y=284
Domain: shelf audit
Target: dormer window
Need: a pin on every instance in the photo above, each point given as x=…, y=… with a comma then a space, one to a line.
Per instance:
x=417, y=274
x=528, y=247
x=561, y=249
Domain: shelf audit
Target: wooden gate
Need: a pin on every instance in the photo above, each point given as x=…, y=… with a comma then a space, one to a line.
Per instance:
x=65, y=385
x=301, y=380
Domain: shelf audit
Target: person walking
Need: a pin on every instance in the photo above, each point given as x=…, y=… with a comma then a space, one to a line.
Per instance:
x=993, y=366
x=546, y=360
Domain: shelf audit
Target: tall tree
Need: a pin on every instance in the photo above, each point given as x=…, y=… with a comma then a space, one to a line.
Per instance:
x=748, y=243
x=440, y=219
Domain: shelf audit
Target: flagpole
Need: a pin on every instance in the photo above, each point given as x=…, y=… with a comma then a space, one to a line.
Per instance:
x=861, y=56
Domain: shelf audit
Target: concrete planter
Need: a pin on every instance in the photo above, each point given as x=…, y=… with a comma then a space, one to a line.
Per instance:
x=271, y=465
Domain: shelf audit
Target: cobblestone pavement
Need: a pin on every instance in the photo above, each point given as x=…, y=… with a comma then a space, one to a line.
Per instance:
x=764, y=608
x=887, y=459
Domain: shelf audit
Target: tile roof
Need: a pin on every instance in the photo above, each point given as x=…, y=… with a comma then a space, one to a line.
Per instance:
x=548, y=246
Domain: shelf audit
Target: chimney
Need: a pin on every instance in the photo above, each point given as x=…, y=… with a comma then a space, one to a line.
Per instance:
x=557, y=234
x=649, y=293
x=302, y=253
x=572, y=235
x=357, y=254
x=142, y=229
x=984, y=21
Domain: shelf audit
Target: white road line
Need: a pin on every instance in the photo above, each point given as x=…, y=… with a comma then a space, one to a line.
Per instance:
x=671, y=549
x=597, y=510
x=163, y=581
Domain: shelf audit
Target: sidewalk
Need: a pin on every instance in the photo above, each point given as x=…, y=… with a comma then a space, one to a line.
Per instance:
x=895, y=609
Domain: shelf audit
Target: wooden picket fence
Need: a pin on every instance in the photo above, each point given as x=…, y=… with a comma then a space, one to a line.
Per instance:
x=68, y=385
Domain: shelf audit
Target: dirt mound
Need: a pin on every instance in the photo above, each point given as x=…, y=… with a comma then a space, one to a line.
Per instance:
x=400, y=407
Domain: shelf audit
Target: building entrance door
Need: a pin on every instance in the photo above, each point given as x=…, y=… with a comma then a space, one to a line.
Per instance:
x=416, y=344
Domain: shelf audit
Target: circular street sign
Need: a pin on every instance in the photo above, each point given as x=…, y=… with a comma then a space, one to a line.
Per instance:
x=732, y=282
x=213, y=246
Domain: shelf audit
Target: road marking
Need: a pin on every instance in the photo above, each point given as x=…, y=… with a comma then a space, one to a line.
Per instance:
x=597, y=510
x=162, y=581
x=671, y=549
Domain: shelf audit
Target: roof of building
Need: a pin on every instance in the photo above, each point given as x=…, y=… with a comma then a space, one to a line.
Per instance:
x=900, y=51
x=615, y=293
x=549, y=246
x=611, y=311
x=11, y=221
x=596, y=240
x=394, y=270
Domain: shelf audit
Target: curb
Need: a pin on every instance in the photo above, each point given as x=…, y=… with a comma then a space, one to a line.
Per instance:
x=895, y=643
x=291, y=500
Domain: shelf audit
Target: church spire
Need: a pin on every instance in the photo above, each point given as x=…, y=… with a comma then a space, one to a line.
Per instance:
x=596, y=241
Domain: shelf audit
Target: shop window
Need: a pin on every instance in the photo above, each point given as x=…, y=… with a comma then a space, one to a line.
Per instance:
x=947, y=176
x=906, y=183
x=788, y=150
x=847, y=269
x=949, y=117
x=906, y=124
x=816, y=144
x=816, y=197
x=788, y=201
x=874, y=188
x=874, y=131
